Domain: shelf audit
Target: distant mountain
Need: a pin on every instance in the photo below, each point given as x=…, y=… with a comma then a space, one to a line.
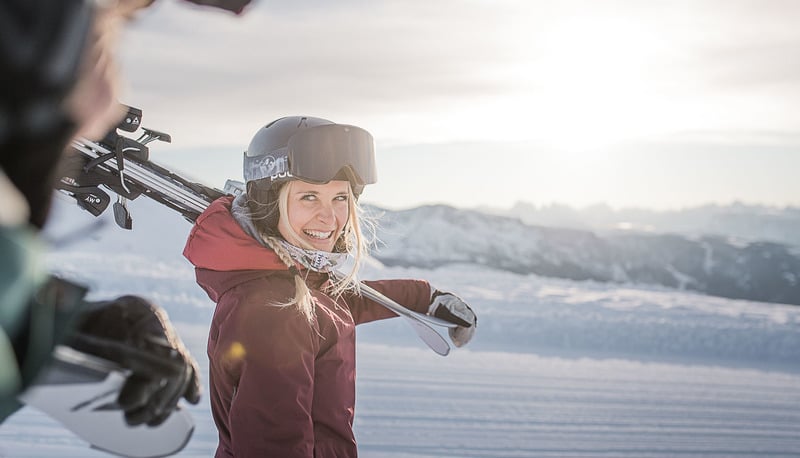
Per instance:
x=747, y=222
x=432, y=236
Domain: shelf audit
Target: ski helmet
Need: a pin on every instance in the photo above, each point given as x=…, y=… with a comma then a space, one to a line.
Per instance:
x=311, y=149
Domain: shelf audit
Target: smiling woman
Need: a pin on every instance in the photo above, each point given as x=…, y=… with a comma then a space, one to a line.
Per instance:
x=273, y=259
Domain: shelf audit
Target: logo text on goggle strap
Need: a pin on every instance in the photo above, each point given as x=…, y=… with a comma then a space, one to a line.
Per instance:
x=281, y=175
x=267, y=166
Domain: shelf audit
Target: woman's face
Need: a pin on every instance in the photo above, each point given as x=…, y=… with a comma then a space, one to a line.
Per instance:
x=316, y=213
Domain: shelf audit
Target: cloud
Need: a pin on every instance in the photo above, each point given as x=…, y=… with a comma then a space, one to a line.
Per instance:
x=469, y=70
x=353, y=51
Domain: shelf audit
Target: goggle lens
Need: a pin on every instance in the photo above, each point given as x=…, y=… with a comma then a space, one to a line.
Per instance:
x=319, y=154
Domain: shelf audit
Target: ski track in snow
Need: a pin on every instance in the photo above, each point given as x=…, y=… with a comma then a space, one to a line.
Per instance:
x=484, y=404
x=557, y=368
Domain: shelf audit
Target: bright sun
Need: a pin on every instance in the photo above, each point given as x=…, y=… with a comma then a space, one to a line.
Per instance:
x=589, y=81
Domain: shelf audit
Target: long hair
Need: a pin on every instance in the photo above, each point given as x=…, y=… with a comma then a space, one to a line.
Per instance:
x=269, y=209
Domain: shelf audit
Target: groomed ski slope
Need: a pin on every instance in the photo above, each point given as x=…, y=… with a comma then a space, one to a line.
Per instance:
x=558, y=368
x=500, y=404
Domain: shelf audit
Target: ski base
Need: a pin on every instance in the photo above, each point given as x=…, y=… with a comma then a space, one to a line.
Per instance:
x=80, y=391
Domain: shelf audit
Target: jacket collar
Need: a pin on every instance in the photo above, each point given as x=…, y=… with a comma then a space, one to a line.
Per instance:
x=218, y=242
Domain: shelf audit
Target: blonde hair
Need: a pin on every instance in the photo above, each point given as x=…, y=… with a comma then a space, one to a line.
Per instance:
x=352, y=241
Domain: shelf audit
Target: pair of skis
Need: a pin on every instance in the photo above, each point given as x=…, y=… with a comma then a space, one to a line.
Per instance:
x=122, y=165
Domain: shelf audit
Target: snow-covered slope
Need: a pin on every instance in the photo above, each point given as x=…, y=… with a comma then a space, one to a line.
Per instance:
x=435, y=236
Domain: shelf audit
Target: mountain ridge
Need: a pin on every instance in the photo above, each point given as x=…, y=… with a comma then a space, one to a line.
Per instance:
x=435, y=235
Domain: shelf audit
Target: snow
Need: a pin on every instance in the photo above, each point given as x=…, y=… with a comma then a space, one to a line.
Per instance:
x=557, y=367
x=500, y=404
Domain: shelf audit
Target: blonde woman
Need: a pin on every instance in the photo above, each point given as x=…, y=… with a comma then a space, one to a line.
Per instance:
x=282, y=341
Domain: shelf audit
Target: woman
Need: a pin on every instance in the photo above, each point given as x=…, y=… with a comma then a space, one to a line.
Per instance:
x=282, y=341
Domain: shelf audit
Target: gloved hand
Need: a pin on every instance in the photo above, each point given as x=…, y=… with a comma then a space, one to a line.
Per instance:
x=450, y=307
x=138, y=336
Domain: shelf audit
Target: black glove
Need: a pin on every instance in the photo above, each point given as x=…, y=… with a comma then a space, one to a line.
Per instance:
x=138, y=336
x=450, y=307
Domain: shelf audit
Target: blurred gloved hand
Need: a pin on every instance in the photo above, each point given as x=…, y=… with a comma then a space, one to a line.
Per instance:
x=450, y=307
x=138, y=336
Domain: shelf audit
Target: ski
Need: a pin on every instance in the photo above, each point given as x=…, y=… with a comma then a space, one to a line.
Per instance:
x=80, y=391
x=418, y=321
x=123, y=166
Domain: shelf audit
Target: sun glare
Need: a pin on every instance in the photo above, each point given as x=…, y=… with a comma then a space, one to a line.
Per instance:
x=589, y=78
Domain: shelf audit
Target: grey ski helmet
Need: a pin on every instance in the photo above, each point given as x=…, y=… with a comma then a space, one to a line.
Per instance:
x=310, y=149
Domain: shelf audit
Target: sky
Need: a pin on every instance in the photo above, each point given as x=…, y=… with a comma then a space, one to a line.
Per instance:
x=659, y=104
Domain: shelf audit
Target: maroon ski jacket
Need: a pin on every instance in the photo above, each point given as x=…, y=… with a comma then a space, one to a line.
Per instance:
x=279, y=386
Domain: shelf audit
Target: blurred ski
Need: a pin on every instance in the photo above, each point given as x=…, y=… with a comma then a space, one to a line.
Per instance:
x=80, y=391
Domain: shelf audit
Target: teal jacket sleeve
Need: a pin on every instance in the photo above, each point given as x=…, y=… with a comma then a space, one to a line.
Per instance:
x=36, y=313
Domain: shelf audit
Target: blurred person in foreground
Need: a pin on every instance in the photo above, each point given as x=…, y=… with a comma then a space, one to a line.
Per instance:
x=57, y=81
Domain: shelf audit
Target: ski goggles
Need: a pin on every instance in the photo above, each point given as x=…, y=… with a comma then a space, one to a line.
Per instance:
x=318, y=155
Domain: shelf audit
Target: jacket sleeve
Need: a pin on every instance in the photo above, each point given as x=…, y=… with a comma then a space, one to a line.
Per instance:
x=411, y=294
x=37, y=312
x=271, y=349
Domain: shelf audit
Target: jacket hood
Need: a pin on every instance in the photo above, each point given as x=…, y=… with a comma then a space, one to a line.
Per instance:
x=217, y=242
